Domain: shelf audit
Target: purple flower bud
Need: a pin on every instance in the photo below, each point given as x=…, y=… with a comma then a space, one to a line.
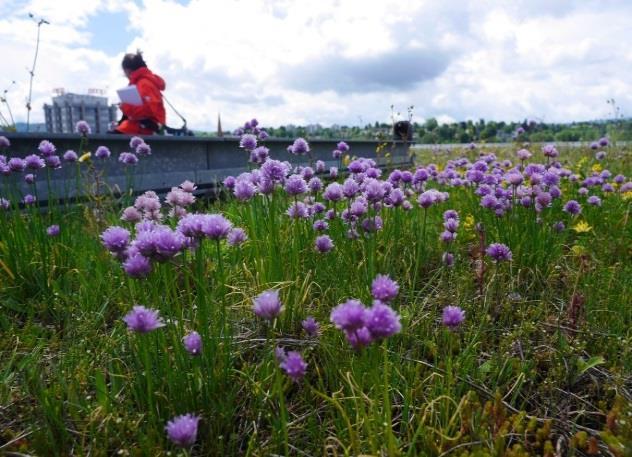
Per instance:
x=137, y=266
x=382, y=321
x=294, y=366
x=103, y=152
x=135, y=141
x=267, y=305
x=236, y=236
x=182, y=430
x=53, y=230
x=498, y=252
x=115, y=238
x=384, y=288
x=143, y=320
x=192, y=343
x=83, y=128
x=310, y=326
x=349, y=316
x=70, y=156
x=452, y=317
x=323, y=244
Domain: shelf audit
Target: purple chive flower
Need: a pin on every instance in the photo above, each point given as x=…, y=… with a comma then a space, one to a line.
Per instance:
x=333, y=192
x=103, y=152
x=131, y=214
x=236, y=236
x=452, y=317
x=603, y=142
x=336, y=153
x=128, y=158
x=448, y=259
x=46, y=148
x=29, y=199
x=267, y=305
x=310, y=326
x=243, y=189
x=333, y=172
x=447, y=236
x=523, y=154
x=349, y=316
x=372, y=224
x=216, y=226
x=384, y=288
x=167, y=243
x=182, y=430
x=594, y=200
x=16, y=164
x=428, y=198
x=274, y=170
x=450, y=214
x=382, y=321
x=279, y=354
x=451, y=225
x=53, y=230
x=248, y=141
x=4, y=203
x=137, y=266
x=559, y=226
x=188, y=186
x=294, y=366
x=343, y=147
x=572, y=207
x=298, y=210
x=600, y=155
x=323, y=244
x=320, y=225
x=70, y=156
x=53, y=162
x=83, y=128
x=300, y=146
x=359, y=338
x=4, y=142
x=263, y=135
x=499, y=252
x=295, y=185
x=143, y=149
x=29, y=178
x=192, y=343
x=315, y=184
x=594, y=145
x=143, y=320
x=135, y=141
x=34, y=162
x=115, y=238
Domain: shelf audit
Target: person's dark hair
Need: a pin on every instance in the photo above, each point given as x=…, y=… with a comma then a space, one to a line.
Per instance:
x=133, y=62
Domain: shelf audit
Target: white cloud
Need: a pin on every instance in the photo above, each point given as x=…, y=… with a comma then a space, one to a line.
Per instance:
x=334, y=61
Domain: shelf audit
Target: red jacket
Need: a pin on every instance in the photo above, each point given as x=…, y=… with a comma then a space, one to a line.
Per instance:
x=149, y=86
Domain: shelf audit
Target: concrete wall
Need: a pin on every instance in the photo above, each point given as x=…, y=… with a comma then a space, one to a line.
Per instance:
x=205, y=161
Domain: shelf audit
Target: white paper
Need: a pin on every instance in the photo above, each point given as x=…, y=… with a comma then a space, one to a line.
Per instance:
x=130, y=95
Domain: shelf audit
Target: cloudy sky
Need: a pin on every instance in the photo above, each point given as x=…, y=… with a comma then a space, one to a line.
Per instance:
x=332, y=61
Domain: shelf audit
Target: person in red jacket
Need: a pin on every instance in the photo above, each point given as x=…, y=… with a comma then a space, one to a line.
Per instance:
x=149, y=117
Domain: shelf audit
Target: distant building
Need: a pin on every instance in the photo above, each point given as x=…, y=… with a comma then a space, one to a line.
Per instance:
x=68, y=109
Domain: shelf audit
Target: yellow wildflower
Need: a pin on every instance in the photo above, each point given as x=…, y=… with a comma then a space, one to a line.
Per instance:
x=85, y=157
x=469, y=222
x=346, y=159
x=627, y=195
x=582, y=227
x=597, y=167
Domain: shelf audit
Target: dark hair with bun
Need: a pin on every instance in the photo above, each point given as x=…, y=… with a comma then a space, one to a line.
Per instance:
x=133, y=62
